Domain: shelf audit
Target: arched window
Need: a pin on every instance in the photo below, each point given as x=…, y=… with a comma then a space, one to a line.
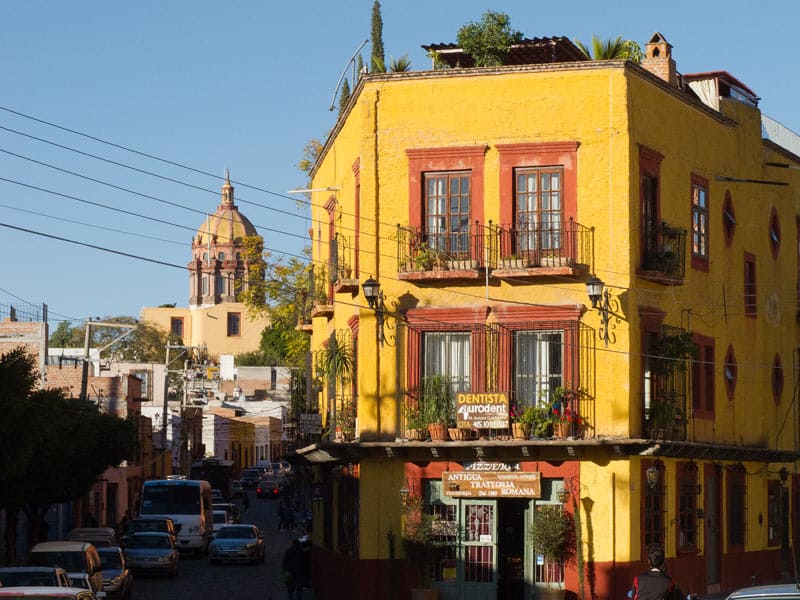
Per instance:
x=221, y=257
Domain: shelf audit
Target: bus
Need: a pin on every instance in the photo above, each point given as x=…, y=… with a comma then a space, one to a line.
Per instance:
x=216, y=471
x=188, y=503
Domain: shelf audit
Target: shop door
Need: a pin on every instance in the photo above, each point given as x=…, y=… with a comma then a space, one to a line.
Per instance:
x=479, y=570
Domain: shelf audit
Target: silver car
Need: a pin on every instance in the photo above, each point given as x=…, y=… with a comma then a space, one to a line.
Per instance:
x=237, y=543
x=151, y=552
x=117, y=579
x=780, y=591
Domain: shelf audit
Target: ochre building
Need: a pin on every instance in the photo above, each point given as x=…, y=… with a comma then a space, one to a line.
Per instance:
x=613, y=243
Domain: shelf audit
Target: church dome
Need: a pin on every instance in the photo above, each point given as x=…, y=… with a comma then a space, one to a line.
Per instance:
x=227, y=225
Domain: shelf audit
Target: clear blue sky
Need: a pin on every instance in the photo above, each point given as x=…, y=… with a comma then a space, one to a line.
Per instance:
x=246, y=84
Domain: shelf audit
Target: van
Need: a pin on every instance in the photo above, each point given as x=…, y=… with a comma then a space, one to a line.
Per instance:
x=70, y=556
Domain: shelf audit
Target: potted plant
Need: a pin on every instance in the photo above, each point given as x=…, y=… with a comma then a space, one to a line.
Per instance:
x=552, y=535
x=336, y=366
x=565, y=418
x=421, y=543
x=530, y=420
x=437, y=405
x=415, y=423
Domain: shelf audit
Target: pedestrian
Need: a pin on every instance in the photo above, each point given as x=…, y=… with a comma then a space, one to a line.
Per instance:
x=282, y=510
x=291, y=521
x=292, y=567
x=246, y=500
x=655, y=584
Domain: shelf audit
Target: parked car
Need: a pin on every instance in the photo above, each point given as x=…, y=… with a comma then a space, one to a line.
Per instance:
x=237, y=543
x=251, y=476
x=287, y=467
x=237, y=488
x=70, y=556
x=141, y=524
x=99, y=536
x=221, y=518
x=782, y=591
x=216, y=495
x=32, y=576
x=117, y=579
x=81, y=579
x=230, y=508
x=152, y=551
x=39, y=592
x=277, y=469
x=268, y=488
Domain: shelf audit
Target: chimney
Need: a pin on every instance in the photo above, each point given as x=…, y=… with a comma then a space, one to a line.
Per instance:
x=658, y=59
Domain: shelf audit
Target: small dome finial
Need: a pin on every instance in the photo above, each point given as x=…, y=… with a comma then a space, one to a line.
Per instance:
x=227, y=189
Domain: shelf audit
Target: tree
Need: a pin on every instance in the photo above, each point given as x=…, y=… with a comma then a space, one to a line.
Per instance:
x=66, y=337
x=344, y=96
x=279, y=287
x=377, y=63
x=489, y=40
x=612, y=49
x=52, y=448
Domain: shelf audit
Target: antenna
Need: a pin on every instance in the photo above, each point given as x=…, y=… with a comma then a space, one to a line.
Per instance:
x=347, y=66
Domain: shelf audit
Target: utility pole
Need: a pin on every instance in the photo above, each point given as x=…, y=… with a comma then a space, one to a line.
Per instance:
x=187, y=364
x=87, y=343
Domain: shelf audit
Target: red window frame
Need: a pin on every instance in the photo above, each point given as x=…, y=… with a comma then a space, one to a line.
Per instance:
x=700, y=234
x=687, y=530
x=649, y=167
x=703, y=378
x=653, y=508
x=750, y=286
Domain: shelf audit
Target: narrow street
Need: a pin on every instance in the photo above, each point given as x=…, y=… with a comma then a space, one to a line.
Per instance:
x=198, y=580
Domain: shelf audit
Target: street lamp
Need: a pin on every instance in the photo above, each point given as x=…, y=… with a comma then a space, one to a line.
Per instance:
x=374, y=296
x=600, y=300
x=403, y=495
x=653, y=474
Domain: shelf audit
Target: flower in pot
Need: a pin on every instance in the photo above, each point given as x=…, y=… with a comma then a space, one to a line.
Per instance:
x=530, y=419
x=437, y=405
x=563, y=414
x=553, y=537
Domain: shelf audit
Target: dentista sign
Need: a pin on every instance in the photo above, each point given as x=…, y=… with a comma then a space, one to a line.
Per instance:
x=492, y=484
x=482, y=411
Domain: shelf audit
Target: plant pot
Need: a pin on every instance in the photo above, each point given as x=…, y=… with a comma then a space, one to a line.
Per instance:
x=438, y=432
x=460, y=434
x=562, y=430
x=521, y=431
x=550, y=594
x=415, y=434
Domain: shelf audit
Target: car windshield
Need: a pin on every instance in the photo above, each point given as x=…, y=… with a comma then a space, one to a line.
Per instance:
x=145, y=525
x=69, y=561
x=148, y=541
x=171, y=499
x=110, y=560
x=236, y=532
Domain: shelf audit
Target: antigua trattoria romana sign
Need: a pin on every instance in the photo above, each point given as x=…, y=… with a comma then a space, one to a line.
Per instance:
x=492, y=484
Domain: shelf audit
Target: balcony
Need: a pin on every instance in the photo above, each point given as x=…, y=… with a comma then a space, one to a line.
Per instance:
x=320, y=293
x=341, y=265
x=435, y=256
x=664, y=259
x=564, y=249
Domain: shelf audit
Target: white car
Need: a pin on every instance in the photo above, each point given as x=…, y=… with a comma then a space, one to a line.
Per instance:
x=61, y=593
x=221, y=518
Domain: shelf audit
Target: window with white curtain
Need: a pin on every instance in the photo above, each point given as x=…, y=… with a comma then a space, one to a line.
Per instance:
x=538, y=365
x=448, y=353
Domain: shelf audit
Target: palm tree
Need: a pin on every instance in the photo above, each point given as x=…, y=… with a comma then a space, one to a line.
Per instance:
x=400, y=65
x=611, y=49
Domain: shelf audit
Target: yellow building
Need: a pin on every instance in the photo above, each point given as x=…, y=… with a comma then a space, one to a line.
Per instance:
x=488, y=204
x=217, y=275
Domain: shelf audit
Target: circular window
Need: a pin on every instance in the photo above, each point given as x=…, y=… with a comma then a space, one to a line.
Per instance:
x=777, y=379
x=730, y=372
x=774, y=232
x=728, y=217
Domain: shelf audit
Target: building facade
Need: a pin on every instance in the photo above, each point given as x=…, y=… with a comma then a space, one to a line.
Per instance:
x=215, y=318
x=490, y=205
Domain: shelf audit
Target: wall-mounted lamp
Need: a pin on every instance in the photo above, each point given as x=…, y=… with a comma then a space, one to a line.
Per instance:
x=403, y=495
x=600, y=300
x=653, y=474
x=375, y=300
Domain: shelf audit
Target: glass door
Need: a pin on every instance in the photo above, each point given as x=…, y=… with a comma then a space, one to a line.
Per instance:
x=479, y=564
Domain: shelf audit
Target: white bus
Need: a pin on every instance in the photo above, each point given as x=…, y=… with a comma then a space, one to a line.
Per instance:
x=188, y=503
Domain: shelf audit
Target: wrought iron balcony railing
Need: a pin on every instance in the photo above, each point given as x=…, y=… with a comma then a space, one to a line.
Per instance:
x=420, y=251
x=560, y=244
x=664, y=254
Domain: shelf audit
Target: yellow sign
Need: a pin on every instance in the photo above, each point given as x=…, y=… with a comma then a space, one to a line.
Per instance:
x=482, y=411
x=492, y=484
